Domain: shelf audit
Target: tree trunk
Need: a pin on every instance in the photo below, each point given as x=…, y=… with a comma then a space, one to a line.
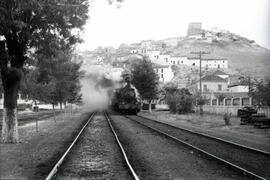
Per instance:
x=150, y=108
x=10, y=126
x=54, y=113
x=11, y=82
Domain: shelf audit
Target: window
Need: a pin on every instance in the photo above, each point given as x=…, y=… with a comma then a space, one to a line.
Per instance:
x=219, y=87
x=182, y=62
x=193, y=64
x=161, y=75
x=204, y=87
x=218, y=66
x=162, y=70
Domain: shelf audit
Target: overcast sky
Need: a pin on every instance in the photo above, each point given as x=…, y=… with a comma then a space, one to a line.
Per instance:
x=138, y=20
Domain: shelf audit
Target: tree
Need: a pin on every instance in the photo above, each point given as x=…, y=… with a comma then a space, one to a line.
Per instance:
x=145, y=80
x=30, y=25
x=261, y=92
x=179, y=100
x=55, y=80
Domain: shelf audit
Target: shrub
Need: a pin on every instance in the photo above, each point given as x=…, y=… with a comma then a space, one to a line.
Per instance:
x=180, y=101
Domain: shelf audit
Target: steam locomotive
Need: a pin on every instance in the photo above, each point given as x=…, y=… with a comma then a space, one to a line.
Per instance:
x=126, y=100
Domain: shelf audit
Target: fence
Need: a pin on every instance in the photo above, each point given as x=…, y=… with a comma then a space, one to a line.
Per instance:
x=230, y=109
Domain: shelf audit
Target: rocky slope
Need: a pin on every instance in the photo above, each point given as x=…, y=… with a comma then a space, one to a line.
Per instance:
x=244, y=56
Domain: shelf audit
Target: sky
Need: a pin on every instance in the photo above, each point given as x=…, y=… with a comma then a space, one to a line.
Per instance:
x=138, y=20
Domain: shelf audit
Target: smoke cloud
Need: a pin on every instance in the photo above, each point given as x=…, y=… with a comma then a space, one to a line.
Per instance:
x=97, y=86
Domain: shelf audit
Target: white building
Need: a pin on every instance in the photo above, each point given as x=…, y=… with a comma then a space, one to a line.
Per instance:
x=164, y=72
x=153, y=55
x=208, y=62
x=176, y=60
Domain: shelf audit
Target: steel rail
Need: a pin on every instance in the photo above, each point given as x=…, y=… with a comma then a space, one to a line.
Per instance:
x=203, y=151
x=211, y=137
x=135, y=176
x=57, y=165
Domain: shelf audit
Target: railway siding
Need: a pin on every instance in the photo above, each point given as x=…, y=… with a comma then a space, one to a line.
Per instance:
x=255, y=162
x=154, y=156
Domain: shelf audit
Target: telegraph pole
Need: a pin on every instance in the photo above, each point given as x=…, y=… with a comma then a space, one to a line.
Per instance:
x=200, y=53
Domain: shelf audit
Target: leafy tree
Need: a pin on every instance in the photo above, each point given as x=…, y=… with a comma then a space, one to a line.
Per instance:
x=145, y=80
x=179, y=100
x=31, y=25
x=261, y=93
x=55, y=84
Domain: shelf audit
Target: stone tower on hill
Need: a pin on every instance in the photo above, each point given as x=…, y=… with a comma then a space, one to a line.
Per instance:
x=194, y=28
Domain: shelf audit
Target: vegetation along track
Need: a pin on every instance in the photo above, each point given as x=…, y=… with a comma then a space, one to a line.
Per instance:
x=59, y=162
x=252, y=162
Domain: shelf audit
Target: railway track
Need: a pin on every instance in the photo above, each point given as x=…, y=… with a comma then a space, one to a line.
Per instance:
x=155, y=155
x=134, y=162
x=60, y=161
x=70, y=164
x=252, y=162
x=131, y=169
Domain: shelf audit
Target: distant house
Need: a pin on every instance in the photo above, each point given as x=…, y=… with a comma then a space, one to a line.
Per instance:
x=164, y=72
x=210, y=83
x=208, y=62
x=213, y=83
x=153, y=55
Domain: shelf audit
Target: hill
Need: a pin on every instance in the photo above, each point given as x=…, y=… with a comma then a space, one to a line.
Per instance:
x=244, y=56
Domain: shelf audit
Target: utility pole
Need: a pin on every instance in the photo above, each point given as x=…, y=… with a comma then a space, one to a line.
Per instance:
x=200, y=53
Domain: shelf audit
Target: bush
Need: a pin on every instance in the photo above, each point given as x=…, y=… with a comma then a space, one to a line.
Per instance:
x=227, y=117
x=180, y=101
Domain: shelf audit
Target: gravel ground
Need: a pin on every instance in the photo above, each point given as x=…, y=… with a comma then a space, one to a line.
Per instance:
x=156, y=157
x=250, y=160
x=95, y=156
x=214, y=125
x=37, y=152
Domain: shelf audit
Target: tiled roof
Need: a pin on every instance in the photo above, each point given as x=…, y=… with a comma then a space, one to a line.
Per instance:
x=213, y=78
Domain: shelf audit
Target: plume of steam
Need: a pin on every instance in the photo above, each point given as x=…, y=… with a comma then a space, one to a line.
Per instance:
x=97, y=86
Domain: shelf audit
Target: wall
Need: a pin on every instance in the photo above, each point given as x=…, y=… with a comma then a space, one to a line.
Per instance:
x=166, y=72
x=233, y=109
x=239, y=89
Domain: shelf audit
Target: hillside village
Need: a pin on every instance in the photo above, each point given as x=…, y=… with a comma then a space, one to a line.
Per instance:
x=222, y=85
x=175, y=61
